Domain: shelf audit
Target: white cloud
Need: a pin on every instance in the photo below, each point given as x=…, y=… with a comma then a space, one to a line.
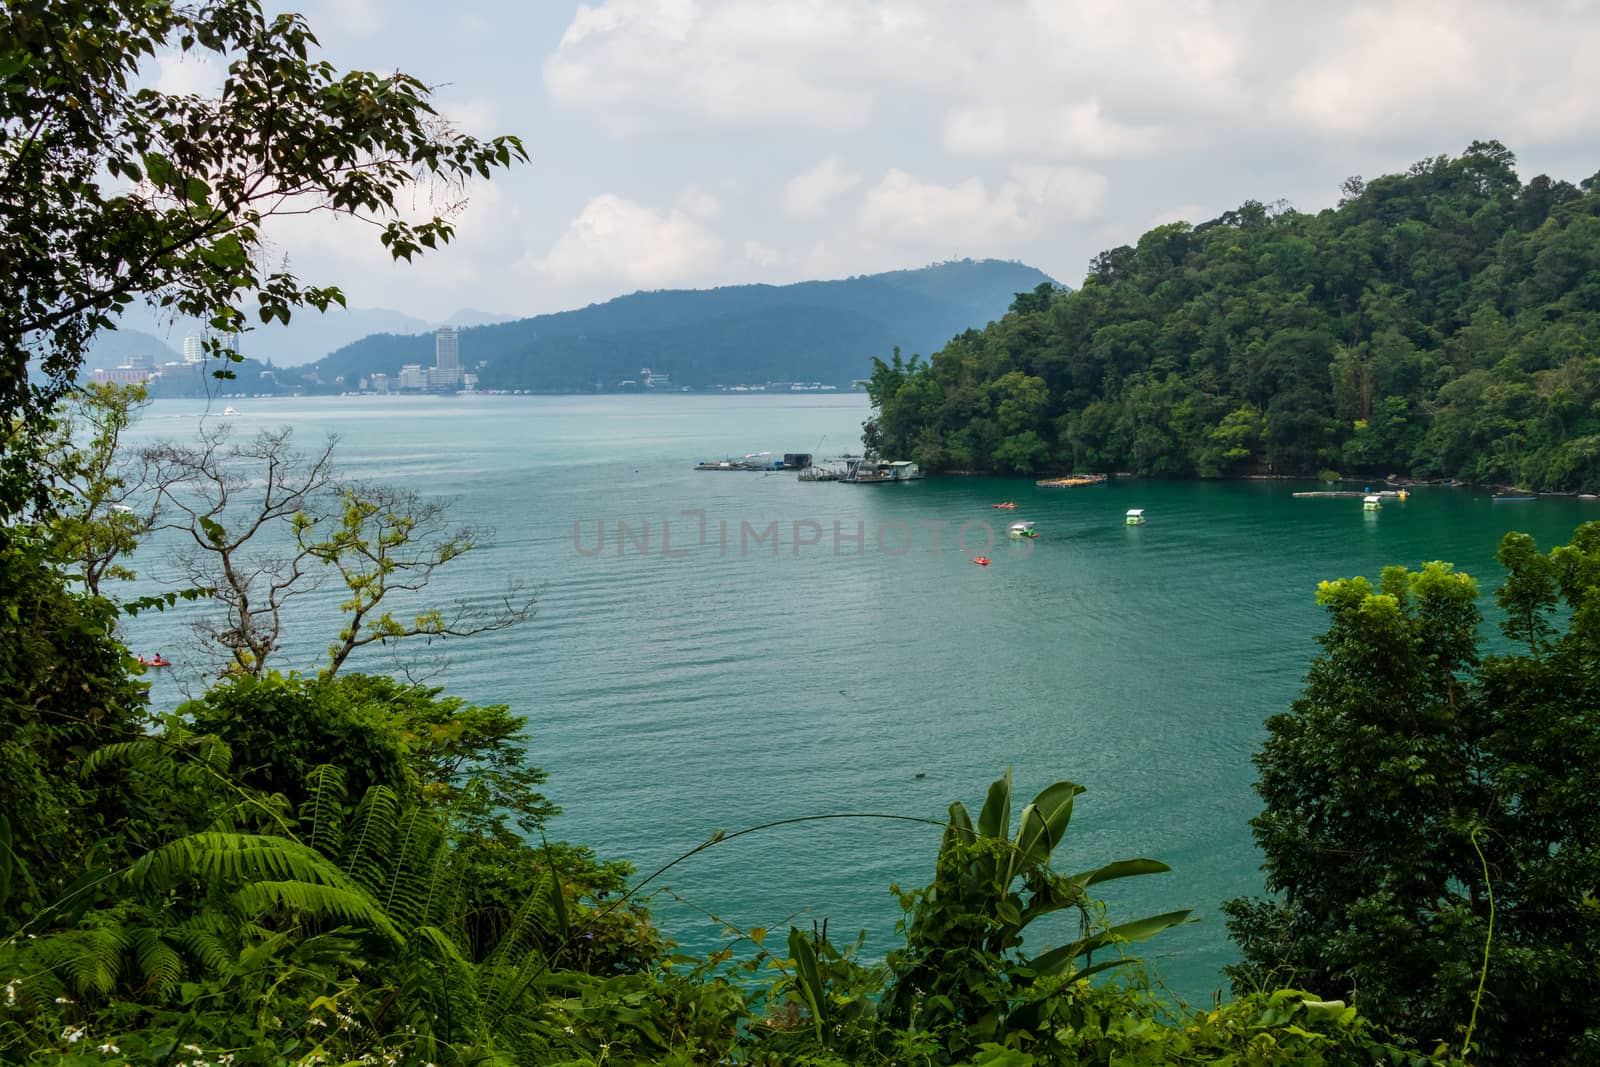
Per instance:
x=1190, y=213
x=617, y=240
x=1453, y=67
x=1069, y=131
x=479, y=116
x=182, y=74
x=806, y=195
x=358, y=18
x=761, y=255
x=967, y=216
x=699, y=203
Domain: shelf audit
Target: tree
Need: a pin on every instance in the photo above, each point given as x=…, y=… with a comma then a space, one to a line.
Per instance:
x=99, y=506
x=111, y=191
x=262, y=523
x=1429, y=829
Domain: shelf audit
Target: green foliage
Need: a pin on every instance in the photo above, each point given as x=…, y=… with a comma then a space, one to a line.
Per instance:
x=1418, y=792
x=1441, y=323
x=115, y=191
x=962, y=974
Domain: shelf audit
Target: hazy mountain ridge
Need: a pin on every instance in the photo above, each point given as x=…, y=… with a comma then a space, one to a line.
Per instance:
x=825, y=331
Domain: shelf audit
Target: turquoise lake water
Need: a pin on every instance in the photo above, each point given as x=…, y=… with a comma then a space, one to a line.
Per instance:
x=682, y=684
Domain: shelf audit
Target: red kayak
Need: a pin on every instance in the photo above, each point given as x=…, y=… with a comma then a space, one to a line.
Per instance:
x=983, y=561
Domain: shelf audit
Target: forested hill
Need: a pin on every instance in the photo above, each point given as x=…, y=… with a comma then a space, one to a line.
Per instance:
x=1442, y=323
x=826, y=331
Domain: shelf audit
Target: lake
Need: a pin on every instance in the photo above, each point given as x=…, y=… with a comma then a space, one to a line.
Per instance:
x=752, y=648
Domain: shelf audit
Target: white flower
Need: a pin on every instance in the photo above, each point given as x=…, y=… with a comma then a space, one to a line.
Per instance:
x=108, y=1047
x=196, y=1049
x=63, y=1000
x=73, y=1034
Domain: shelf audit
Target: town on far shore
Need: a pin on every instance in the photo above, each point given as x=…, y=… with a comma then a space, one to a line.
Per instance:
x=447, y=376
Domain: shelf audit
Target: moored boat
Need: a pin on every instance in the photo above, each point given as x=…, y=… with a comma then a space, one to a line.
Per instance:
x=1135, y=517
x=1022, y=529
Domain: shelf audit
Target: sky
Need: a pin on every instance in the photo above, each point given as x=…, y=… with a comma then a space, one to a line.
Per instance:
x=694, y=143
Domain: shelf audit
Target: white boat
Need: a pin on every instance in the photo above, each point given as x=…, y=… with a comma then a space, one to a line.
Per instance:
x=229, y=410
x=1021, y=529
x=1135, y=517
x=1372, y=503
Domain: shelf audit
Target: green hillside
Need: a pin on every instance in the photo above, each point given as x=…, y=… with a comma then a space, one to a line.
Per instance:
x=1442, y=323
x=826, y=331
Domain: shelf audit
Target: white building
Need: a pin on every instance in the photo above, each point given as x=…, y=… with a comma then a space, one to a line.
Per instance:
x=444, y=379
x=446, y=348
x=412, y=377
x=194, y=348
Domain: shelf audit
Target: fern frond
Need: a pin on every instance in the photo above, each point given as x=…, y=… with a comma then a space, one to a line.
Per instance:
x=143, y=754
x=224, y=860
x=323, y=809
x=345, y=904
x=160, y=966
x=417, y=866
x=371, y=836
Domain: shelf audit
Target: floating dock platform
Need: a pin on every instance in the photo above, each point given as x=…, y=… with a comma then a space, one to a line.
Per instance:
x=1071, y=481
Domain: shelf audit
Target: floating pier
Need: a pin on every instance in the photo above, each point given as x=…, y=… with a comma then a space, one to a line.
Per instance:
x=1071, y=481
x=1398, y=494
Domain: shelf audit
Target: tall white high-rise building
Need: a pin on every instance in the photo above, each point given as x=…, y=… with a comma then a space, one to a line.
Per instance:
x=194, y=348
x=446, y=348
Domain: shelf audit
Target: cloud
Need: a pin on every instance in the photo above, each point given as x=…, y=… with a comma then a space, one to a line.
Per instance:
x=806, y=195
x=358, y=18
x=1470, y=68
x=617, y=240
x=183, y=74
x=760, y=255
x=1190, y=213
x=1069, y=131
x=831, y=65
x=633, y=59
x=967, y=216
x=699, y=203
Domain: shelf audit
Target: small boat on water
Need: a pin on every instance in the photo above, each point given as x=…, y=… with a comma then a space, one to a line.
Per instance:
x=1135, y=517
x=982, y=561
x=1006, y=506
x=1374, y=502
x=1022, y=529
x=157, y=662
x=229, y=410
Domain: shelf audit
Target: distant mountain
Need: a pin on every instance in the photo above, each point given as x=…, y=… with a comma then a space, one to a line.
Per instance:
x=112, y=348
x=824, y=331
x=310, y=335
x=474, y=317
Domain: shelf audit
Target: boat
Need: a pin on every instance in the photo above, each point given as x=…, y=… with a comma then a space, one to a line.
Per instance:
x=1135, y=517
x=1021, y=529
x=157, y=662
x=982, y=561
x=1519, y=496
x=1006, y=506
x=1372, y=502
x=818, y=474
x=229, y=410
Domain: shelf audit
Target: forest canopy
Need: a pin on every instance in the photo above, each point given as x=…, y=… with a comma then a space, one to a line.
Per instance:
x=1436, y=324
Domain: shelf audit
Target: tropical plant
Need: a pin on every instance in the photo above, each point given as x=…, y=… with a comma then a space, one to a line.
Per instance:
x=962, y=974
